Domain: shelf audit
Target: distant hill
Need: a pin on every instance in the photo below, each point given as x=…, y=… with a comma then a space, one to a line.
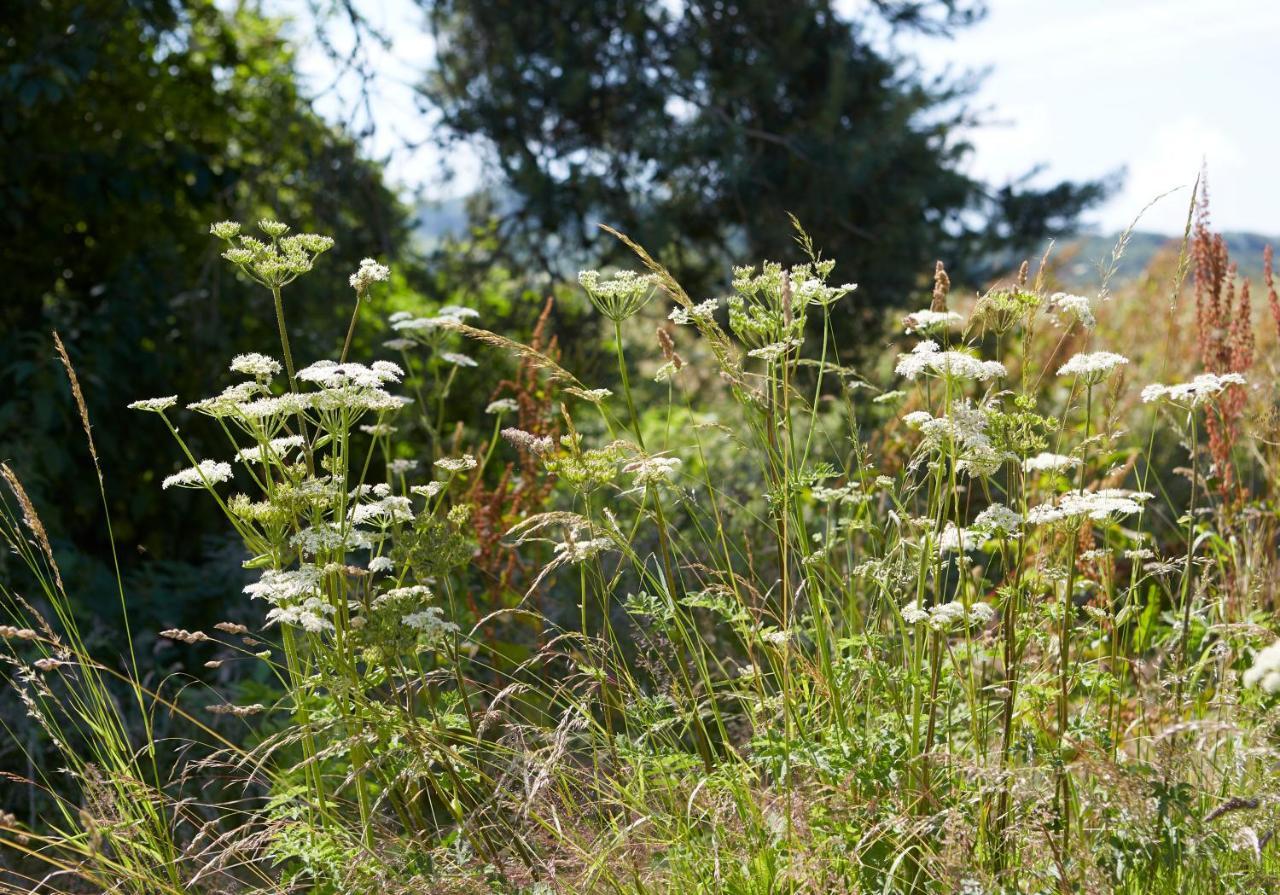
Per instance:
x=1088, y=251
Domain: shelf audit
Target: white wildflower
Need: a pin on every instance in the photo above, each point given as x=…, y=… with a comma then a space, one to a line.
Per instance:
x=1100, y=506
x=399, y=344
x=702, y=312
x=386, y=510
x=155, y=405
x=1078, y=307
x=225, y=229
x=1092, y=367
x=774, y=351
x=458, y=312
x=651, y=470
x=573, y=550
x=912, y=614
x=1197, y=391
x=401, y=467
x=998, y=519
x=502, y=405
x=928, y=321
x=381, y=564
x=429, y=490
x=1047, y=462
x=278, y=586
x=925, y=360
x=1265, y=671
x=429, y=621
x=256, y=365
x=594, y=395
x=457, y=464
x=458, y=360
x=370, y=272
x=955, y=539
x=208, y=473
x=379, y=430
x=276, y=449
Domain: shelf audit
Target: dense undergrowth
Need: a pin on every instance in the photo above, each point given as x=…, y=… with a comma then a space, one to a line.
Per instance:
x=990, y=616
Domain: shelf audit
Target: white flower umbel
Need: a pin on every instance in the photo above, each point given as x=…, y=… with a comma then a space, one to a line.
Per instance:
x=1073, y=307
x=775, y=350
x=155, y=405
x=457, y=464
x=954, y=539
x=1100, y=506
x=1265, y=671
x=259, y=366
x=279, y=586
x=401, y=467
x=333, y=375
x=1202, y=388
x=998, y=520
x=652, y=470
x=947, y=616
x=429, y=622
x=502, y=405
x=277, y=448
x=1047, y=462
x=703, y=312
x=926, y=360
x=458, y=360
x=1094, y=366
x=207, y=474
x=620, y=296
x=928, y=321
x=370, y=272
x=458, y=313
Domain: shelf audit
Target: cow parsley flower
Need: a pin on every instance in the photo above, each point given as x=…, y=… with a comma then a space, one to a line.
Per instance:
x=401, y=467
x=208, y=473
x=775, y=350
x=278, y=586
x=1100, y=506
x=929, y=321
x=925, y=360
x=502, y=405
x=457, y=464
x=225, y=229
x=652, y=470
x=1093, y=367
x=703, y=312
x=429, y=621
x=1265, y=671
x=1077, y=307
x=621, y=296
x=458, y=360
x=458, y=312
x=370, y=272
x=384, y=511
x=155, y=405
x=380, y=564
x=399, y=344
x=276, y=449
x=1191, y=394
x=258, y=366
x=954, y=539
x=1047, y=462
x=998, y=519
x=429, y=490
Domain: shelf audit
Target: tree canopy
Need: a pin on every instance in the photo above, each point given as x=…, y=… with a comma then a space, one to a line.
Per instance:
x=125, y=129
x=698, y=126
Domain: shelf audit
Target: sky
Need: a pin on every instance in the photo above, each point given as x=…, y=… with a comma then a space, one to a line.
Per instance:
x=1083, y=87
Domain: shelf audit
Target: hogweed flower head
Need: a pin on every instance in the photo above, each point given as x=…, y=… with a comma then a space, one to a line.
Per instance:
x=926, y=360
x=1073, y=507
x=621, y=296
x=207, y=474
x=370, y=272
x=1047, y=462
x=256, y=365
x=155, y=405
x=1093, y=367
x=929, y=321
x=1265, y=671
x=1202, y=388
x=1075, y=307
x=502, y=405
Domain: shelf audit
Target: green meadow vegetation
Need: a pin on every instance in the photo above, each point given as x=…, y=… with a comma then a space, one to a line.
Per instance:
x=988, y=610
